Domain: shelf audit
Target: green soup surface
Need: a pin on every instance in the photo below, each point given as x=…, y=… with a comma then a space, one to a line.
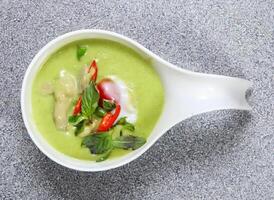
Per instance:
x=113, y=59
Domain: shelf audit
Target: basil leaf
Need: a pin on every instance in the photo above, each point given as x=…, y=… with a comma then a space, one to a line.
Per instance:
x=89, y=100
x=74, y=120
x=104, y=156
x=122, y=121
x=100, y=112
x=108, y=105
x=79, y=127
x=81, y=50
x=128, y=142
x=129, y=126
x=98, y=143
x=126, y=125
x=117, y=131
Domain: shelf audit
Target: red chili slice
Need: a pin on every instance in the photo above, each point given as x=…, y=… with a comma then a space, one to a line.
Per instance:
x=94, y=75
x=109, y=119
x=77, y=107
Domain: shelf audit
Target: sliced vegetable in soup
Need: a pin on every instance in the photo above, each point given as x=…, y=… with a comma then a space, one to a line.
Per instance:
x=96, y=99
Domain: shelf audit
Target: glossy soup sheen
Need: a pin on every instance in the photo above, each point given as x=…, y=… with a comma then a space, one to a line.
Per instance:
x=146, y=90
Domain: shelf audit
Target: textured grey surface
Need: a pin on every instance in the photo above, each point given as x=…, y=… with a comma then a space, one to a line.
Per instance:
x=219, y=155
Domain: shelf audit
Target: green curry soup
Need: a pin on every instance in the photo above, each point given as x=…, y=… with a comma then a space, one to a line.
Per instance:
x=111, y=59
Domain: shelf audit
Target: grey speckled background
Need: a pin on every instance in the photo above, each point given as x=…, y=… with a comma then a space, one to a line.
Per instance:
x=219, y=155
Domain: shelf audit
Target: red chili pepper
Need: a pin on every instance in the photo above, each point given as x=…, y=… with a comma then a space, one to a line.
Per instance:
x=109, y=119
x=94, y=66
x=77, y=107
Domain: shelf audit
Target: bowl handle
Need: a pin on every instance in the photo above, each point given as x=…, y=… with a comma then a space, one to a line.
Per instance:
x=190, y=93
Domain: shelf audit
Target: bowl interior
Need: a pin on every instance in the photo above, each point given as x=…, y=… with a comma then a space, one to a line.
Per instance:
x=42, y=144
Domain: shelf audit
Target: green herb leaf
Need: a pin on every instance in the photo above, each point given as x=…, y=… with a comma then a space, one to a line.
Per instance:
x=126, y=125
x=108, y=105
x=81, y=50
x=78, y=122
x=100, y=112
x=128, y=142
x=79, y=127
x=89, y=100
x=122, y=121
x=116, y=131
x=104, y=156
x=74, y=120
x=129, y=126
x=98, y=143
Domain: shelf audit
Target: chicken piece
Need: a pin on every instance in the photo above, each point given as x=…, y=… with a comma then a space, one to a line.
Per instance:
x=65, y=90
x=60, y=113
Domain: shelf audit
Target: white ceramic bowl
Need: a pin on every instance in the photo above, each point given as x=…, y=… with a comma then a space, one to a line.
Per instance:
x=41, y=143
x=186, y=94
